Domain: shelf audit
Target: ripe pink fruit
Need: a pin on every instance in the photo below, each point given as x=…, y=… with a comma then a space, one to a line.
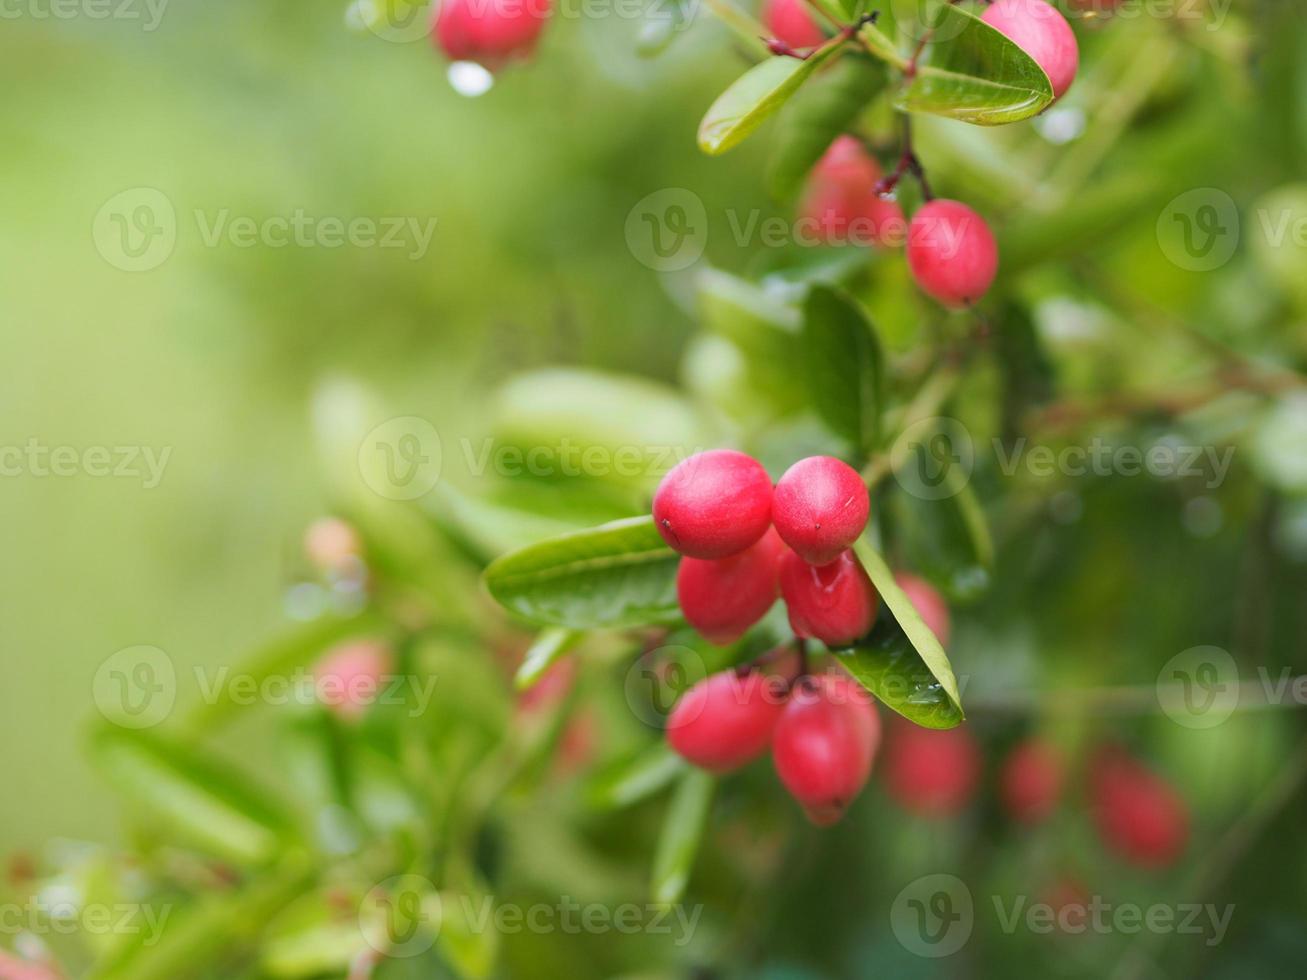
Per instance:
x=952, y=253
x=824, y=745
x=1031, y=781
x=490, y=32
x=1138, y=814
x=349, y=678
x=714, y=504
x=791, y=21
x=723, y=597
x=930, y=605
x=726, y=719
x=835, y=603
x=932, y=773
x=840, y=199
x=820, y=506
x=1042, y=32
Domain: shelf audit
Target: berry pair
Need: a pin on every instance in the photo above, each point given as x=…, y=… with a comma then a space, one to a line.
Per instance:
x=744, y=543
x=822, y=730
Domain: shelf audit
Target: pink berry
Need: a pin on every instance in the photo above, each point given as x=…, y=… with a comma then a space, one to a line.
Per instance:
x=490, y=32
x=350, y=677
x=952, y=253
x=1137, y=813
x=1031, y=781
x=824, y=745
x=930, y=605
x=841, y=202
x=835, y=603
x=1042, y=32
x=723, y=597
x=714, y=504
x=931, y=773
x=791, y=21
x=726, y=720
x=820, y=506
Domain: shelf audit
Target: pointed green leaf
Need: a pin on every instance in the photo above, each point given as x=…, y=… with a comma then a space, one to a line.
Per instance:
x=635, y=778
x=902, y=662
x=615, y=575
x=686, y=819
x=823, y=110
x=548, y=647
x=844, y=365
x=754, y=96
x=970, y=71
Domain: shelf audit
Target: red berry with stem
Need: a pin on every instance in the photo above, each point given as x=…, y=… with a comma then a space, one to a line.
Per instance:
x=931, y=773
x=714, y=504
x=791, y=21
x=820, y=506
x=952, y=253
x=1039, y=30
x=840, y=200
x=726, y=720
x=1031, y=781
x=835, y=603
x=930, y=605
x=1138, y=814
x=825, y=743
x=723, y=597
x=489, y=32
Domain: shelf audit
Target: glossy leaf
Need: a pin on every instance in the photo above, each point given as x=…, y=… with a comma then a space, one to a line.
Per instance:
x=969, y=71
x=844, y=365
x=682, y=831
x=902, y=662
x=819, y=113
x=754, y=97
x=549, y=646
x=616, y=575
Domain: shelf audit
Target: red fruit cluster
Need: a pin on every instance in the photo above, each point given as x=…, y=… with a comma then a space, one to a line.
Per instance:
x=822, y=730
x=743, y=544
x=489, y=32
x=1138, y=814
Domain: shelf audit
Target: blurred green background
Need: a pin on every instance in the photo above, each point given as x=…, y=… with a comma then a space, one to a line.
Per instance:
x=217, y=353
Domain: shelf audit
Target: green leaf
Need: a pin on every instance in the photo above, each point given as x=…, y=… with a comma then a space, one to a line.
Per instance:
x=817, y=115
x=682, y=831
x=635, y=778
x=200, y=799
x=970, y=71
x=901, y=662
x=617, y=575
x=1029, y=379
x=947, y=539
x=663, y=21
x=754, y=96
x=548, y=647
x=844, y=365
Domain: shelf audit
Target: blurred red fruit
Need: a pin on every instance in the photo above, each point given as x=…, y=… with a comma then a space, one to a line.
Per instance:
x=1139, y=815
x=841, y=203
x=952, y=253
x=825, y=743
x=1031, y=781
x=489, y=32
x=792, y=21
x=932, y=773
x=350, y=677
